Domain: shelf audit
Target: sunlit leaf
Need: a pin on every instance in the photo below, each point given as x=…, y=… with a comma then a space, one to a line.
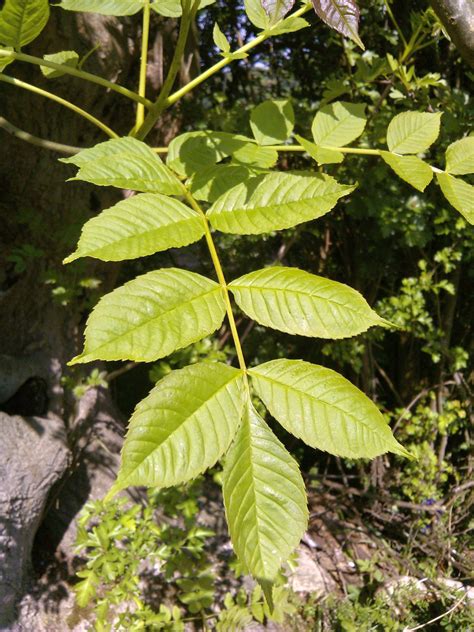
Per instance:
x=214, y=181
x=323, y=409
x=264, y=497
x=257, y=14
x=298, y=302
x=138, y=226
x=460, y=157
x=275, y=201
x=321, y=155
x=342, y=16
x=21, y=21
x=339, y=123
x=152, y=316
x=220, y=40
x=173, y=8
x=409, y=168
x=105, y=7
x=277, y=9
x=413, y=132
x=126, y=163
x=183, y=427
x=458, y=193
x=272, y=122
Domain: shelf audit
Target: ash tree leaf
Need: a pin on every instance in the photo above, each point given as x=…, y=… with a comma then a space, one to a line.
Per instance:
x=409, y=168
x=257, y=14
x=272, y=122
x=291, y=24
x=301, y=303
x=460, y=157
x=152, y=316
x=126, y=163
x=254, y=155
x=66, y=57
x=220, y=40
x=277, y=9
x=104, y=7
x=323, y=409
x=341, y=15
x=137, y=227
x=274, y=202
x=459, y=194
x=212, y=182
x=183, y=427
x=338, y=124
x=173, y=8
x=413, y=132
x=321, y=155
x=21, y=21
x=264, y=497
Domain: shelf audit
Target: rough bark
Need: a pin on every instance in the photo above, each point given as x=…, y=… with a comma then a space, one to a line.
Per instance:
x=457, y=17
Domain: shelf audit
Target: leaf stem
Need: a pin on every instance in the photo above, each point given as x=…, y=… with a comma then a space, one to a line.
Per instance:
x=54, y=97
x=300, y=148
x=75, y=72
x=143, y=63
x=155, y=111
x=34, y=140
x=220, y=276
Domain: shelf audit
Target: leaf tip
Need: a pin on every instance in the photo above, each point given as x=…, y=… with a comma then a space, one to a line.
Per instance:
x=267, y=587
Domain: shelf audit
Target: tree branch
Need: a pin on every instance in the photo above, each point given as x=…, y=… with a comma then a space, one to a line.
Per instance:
x=457, y=17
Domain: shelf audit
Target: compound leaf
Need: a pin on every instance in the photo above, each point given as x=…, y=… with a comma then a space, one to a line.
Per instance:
x=409, y=168
x=139, y=226
x=152, y=316
x=460, y=157
x=264, y=497
x=272, y=122
x=183, y=427
x=413, y=132
x=21, y=21
x=126, y=163
x=458, y=193
x=338, y=124
x=342, y=16
x=275, y=201
x=298, y=302
x=323, y=409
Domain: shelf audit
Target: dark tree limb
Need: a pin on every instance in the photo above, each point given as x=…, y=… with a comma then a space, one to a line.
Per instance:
x=457, y=17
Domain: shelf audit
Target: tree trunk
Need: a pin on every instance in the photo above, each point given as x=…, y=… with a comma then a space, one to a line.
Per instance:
x=457, y=17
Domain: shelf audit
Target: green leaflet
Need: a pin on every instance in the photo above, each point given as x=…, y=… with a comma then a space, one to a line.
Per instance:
x=277, y=9
x=183, y=427
x=173, y=9
x=338, y=124
x=413, y=132
x=105, y=7
x=152, y=316
x=409, y=168
x=458, y=193
x=255, y=156
x=275, y=201
x=21, y=21
x=321, y=155
x=194, y=151
x=272, y=122
x=65, y=57
x=214, y=181
x=323, y=409
x=139, y=226
x=256, y=14
x=125, y=163
x=264, y=497
x=290, y=25
x=342, y=16
x=220, y=40
x=298, y=302
x=460, y=157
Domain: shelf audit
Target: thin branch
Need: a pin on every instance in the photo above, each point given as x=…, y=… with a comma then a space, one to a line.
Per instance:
x=39, y=142
x=143, y=63
x=452, y=609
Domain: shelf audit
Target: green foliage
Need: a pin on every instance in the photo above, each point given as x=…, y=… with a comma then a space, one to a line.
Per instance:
x=413, y=132
x=409, y=168
x=272, y=122
x=338, y=124
x=341, y=15
x=21, y=21
x=460, y=157
x=65, y=57
x=458, y=193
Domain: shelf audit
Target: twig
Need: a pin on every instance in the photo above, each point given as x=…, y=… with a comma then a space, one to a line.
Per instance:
x=35, y=140
x=452, y=609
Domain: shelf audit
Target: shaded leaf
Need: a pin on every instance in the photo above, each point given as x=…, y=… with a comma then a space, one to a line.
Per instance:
x=138, y=226
x=173, y=8
x=255, y=156
x=21, y=21
x=126, y=163
x=272, y=122
x=277, y=9
x=460, y=157
x=104, y=7
x=275, y=201
x=183, y=427
x=413, y=132
x=458, y=193
x=212, y=182
x=298, y=302
x=342, y=16
x=321, y=155
x=257, y=14
x=338, y=124
x=409, y=168
x=264, y=497
x=323, y=409
x=152, y=316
